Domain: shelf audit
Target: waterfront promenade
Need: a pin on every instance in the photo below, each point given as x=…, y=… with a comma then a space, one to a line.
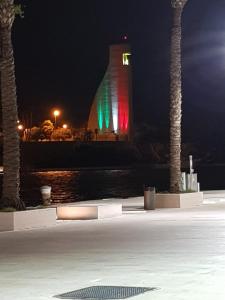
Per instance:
x=181, y=252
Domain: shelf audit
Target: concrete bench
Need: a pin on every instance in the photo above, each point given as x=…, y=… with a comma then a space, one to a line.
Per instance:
x=27, y=219
x=182, y=200
x=88, y=212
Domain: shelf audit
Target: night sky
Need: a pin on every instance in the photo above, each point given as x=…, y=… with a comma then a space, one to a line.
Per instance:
x=61, y=52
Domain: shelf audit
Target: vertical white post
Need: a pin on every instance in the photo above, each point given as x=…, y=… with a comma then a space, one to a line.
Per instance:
x=191, y=164
x=183, y=182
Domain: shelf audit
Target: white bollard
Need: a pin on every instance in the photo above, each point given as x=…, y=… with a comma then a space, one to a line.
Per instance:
x=46, y=194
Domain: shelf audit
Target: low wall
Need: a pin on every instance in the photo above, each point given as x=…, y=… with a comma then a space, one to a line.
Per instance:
x=76, y=154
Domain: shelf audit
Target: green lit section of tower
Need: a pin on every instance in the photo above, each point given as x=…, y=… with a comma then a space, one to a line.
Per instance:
x=103, y=106
x=100, y=115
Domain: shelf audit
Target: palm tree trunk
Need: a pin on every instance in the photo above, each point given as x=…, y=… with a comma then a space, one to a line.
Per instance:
x=11, y=143
x=175, y=102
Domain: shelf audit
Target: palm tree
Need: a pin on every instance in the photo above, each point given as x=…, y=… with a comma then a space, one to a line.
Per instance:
x=11, y=146
x=175, y=97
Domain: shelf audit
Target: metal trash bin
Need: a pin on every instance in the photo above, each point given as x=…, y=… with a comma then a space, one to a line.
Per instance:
x=149, y=198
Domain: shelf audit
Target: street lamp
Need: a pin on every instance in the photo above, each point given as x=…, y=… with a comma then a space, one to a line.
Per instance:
x=21, y=131
x=65, y=126
x=20, y=127
x=56, y=113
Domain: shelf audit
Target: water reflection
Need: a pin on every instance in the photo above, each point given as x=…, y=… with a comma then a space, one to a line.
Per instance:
x=64, y=186
x=71, y=186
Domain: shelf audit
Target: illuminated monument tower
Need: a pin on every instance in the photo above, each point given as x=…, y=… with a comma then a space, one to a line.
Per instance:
x=111, y=112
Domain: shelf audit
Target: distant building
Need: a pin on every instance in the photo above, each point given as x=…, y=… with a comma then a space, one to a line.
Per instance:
x=111, y=112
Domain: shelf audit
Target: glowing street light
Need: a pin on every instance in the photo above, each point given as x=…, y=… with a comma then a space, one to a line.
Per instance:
x=56, y=113
x=20, y=127
x=65, y=126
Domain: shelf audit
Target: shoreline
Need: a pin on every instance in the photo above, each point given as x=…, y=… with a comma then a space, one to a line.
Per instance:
x=117, y=167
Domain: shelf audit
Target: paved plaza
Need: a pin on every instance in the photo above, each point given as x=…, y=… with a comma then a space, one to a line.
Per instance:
x=179, y=252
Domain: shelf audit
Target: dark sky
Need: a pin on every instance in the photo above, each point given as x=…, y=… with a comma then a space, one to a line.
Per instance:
x=61, y=51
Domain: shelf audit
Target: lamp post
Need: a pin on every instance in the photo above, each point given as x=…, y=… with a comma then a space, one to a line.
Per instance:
x=56, y=113
x=21, y=131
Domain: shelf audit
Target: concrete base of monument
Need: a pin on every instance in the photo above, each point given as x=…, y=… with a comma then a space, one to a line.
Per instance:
x=182, y=200
x=28, y=219
x=88, y=212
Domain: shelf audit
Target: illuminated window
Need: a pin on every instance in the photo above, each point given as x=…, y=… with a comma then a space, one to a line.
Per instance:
x=126, y=59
